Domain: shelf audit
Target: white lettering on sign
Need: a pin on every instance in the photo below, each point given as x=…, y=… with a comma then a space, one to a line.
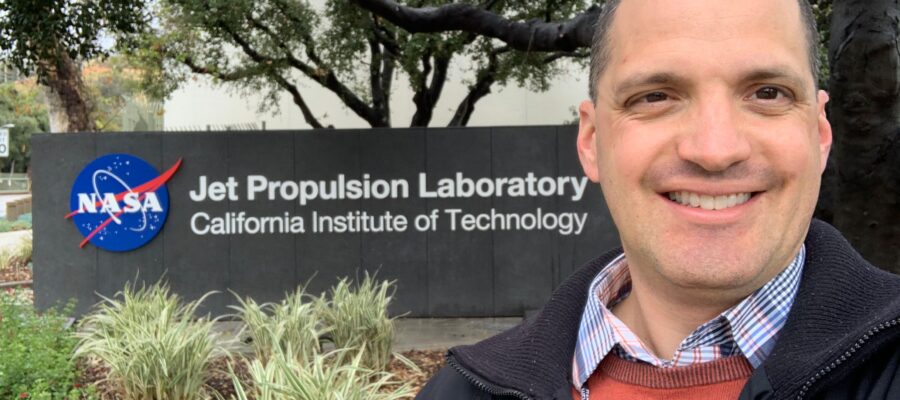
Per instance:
x=529, y=185
x=87, y=203
x=344, y=188
x=258, y=187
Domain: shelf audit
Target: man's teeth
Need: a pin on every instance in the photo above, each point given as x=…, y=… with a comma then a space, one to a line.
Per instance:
x=707, y=202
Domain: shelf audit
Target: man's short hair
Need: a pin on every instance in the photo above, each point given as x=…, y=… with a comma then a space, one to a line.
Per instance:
x=600, y=44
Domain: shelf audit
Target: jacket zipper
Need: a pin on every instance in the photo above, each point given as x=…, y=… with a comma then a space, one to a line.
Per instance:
x=487, y=387
x=844, y=357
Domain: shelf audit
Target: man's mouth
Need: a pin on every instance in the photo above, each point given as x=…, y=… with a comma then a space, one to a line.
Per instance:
x=708, y=202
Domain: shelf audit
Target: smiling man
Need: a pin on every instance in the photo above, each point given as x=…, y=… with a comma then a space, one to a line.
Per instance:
x=708, y=136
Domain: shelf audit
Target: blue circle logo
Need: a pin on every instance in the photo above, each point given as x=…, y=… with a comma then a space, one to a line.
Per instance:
x=120, y=202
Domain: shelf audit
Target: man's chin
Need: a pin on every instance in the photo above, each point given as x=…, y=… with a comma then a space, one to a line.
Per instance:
x=713, y=267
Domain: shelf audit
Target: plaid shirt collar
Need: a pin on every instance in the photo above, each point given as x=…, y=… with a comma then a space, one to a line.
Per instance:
x=749, y=328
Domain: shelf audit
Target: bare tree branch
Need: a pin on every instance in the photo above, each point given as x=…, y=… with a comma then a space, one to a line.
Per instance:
x=534, y=35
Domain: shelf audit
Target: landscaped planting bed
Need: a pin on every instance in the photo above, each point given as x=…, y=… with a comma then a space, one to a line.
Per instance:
x=428, y=362
x=146, y=343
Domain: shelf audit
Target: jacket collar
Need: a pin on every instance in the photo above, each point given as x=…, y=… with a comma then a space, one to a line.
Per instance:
x=841, y=298
x=840, y=304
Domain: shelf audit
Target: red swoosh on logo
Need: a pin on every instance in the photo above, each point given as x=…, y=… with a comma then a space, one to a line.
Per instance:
x=149, y=186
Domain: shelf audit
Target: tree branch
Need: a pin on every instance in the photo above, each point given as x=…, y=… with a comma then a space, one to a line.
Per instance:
x=427, y=96
x=481, y=88
x=280, y=80
x=385, y=38
x=298, y=100
x=378, y=100
x=223, y=76
x=323, y=76
x=534, y=35
x=388, y=61
x=381, y=70
x=564, y=54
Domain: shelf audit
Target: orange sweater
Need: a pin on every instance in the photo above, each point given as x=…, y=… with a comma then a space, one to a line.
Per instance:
x=619, y=379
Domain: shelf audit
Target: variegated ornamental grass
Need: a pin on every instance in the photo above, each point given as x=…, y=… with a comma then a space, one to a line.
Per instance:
x=18, y=256
x=336, y=375
x=287, y=336
x=155, y=348
x=357, y=317
x=152, y=343
x=275, y=327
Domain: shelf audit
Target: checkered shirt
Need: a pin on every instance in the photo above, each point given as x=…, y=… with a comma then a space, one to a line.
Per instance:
x=749, y=328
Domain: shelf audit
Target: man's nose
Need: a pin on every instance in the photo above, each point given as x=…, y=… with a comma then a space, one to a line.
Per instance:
x=713, y=139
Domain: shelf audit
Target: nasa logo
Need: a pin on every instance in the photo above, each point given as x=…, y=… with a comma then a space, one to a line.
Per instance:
x=120, y=202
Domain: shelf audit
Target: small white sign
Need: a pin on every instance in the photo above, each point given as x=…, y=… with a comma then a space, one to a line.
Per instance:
x=4, y=142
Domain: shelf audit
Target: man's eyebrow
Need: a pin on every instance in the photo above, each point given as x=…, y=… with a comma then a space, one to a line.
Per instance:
x=646, y=79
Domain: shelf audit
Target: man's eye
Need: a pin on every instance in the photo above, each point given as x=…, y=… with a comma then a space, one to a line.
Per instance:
x=768, y=93
x=655, y=97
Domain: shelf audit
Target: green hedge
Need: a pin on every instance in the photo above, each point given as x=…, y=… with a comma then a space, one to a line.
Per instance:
x=36, y=352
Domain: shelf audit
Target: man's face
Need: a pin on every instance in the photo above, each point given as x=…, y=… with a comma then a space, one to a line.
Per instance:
x=708, y=139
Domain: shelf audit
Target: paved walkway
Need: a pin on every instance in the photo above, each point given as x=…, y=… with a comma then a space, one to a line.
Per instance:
x=441, y=333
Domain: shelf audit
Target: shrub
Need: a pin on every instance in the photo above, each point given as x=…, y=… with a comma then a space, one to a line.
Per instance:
x=35, y=352
x=331, y=376
x=357, y=318
x=151, y=344
x=25, y=218
x=18, y=225
x=275, y=327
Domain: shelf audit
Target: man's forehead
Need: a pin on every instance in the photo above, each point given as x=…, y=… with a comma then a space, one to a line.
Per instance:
x=637, y=17
x=760, y=31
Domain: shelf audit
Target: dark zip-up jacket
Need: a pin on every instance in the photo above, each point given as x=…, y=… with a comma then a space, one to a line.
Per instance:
x=841, y=339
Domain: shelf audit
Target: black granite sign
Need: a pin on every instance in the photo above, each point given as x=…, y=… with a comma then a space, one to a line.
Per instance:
x=468, y=221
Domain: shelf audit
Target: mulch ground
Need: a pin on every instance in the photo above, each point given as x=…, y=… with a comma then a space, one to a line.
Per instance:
x=428, y=361
x=18, y=274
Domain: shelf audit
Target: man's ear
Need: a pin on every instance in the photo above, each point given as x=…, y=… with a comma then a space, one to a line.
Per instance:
x=825, y=137
x=587, y=141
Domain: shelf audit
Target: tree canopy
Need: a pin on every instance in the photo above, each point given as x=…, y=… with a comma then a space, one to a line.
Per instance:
x=279, y=46
x=47, y=39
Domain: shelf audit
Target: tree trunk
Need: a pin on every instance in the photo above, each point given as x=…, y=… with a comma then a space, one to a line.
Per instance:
x=865, y=115
x=68, y=105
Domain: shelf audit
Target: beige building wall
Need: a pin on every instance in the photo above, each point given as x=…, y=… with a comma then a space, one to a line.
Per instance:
x=201, y=103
